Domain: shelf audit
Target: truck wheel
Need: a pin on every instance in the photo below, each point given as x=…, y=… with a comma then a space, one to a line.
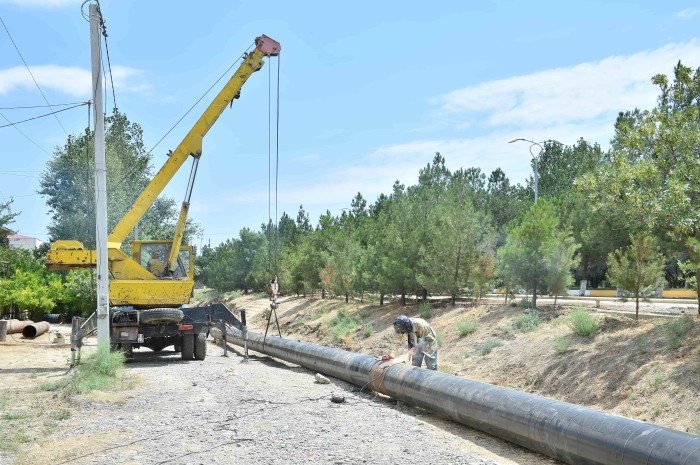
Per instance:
x=155, y=316
x=187, y=346
x=200, y=346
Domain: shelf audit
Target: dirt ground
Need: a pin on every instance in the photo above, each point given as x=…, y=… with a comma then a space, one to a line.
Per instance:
x=225, y=411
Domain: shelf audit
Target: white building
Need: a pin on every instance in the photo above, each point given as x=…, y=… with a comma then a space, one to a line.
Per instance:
x=18, y=241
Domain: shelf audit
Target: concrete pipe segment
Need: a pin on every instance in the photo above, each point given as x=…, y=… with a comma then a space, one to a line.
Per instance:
x=567, y=432
x=35, y=329
x=16, y=326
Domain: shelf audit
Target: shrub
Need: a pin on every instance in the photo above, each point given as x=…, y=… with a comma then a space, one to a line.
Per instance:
x=424, y=310
x=525, y=303
x=526, y=323
x=582, y=322
x=490, y=344
x=467, y=326
x=342, y=324
x=440, y=338
x=675, y=331
x=367, y=330
x=99, y=371
x=561, y=344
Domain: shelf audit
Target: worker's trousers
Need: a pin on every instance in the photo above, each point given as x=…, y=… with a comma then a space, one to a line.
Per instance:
x=430, y=362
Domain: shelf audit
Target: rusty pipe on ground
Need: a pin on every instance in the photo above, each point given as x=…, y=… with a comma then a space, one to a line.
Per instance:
x=573, y=434
x=35, y=329
x=16, y=326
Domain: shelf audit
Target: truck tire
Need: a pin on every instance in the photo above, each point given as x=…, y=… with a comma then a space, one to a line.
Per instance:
x=187, y=346
x=156, y=316
x=200, y=346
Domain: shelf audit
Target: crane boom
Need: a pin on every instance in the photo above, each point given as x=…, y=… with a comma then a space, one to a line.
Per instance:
x=191, y=145
x=135, y=281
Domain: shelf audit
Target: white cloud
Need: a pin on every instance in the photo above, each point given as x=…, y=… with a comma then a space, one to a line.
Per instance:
x=567, y=95
x=72, y=81
x=688, y=13
x=563, y=104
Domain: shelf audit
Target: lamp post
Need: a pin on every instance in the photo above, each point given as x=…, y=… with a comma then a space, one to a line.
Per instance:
x=536, y=157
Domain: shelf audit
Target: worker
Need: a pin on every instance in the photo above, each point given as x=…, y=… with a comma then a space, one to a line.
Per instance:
x=422, y=340
x=155, y=264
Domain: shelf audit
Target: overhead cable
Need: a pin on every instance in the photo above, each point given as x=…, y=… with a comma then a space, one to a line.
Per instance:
x=32, y=75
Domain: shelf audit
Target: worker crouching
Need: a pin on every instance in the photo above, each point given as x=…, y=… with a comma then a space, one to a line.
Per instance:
x=422, y=340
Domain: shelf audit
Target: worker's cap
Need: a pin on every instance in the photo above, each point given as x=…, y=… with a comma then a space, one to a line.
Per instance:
x=402, y=324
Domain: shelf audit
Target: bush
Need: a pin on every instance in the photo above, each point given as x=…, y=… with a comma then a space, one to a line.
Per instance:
x=526, y=323
x=582, y=322
x=100, y=371
x=675, y=331
x=342, y=324
x=424, y=310
x=561, y=344
x=490, y=344
x=525, y=303
x=367, y=330
x=467, y=326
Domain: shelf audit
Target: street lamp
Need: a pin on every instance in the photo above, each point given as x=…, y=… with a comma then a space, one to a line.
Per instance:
x=536, y=157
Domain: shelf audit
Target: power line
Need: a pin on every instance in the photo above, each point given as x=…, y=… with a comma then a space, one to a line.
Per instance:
x=40, y=106
x=26, y=136
x=31, y=74
x=42, y=116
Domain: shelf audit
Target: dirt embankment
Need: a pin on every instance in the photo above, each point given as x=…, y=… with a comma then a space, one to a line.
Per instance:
x=636, y=369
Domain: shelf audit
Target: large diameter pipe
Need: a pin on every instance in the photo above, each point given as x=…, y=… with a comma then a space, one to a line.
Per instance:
x=35, y=329
x=567, y=432
x=16, y=326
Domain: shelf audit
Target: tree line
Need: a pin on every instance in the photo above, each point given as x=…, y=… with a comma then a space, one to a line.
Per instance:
x=623, y=217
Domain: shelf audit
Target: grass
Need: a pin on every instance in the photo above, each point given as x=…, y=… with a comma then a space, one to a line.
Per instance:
x=582, y=322
x=367, y=330
x=642, y=345
x=526, y=323
x=425, y=311
x=61, y=415
x=320, y=311
x=656, y=381
x=440, y=338
x=489, y=344
x=342, y=324
x=674, y=332
x=561, y=344
x=467, y=326
x=99, y=371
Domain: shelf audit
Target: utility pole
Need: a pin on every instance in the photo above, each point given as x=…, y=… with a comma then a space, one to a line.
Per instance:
x=103, y=336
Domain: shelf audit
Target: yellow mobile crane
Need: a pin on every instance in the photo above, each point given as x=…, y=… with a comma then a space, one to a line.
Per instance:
x=148, y=289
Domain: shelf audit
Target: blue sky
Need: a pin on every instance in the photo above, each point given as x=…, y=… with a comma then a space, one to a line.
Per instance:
x=369, y=91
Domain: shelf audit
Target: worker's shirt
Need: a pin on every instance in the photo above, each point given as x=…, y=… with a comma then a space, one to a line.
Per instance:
x=423, y=335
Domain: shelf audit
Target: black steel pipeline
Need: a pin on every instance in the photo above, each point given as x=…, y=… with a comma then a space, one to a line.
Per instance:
x=35, y=329
x=567, y=432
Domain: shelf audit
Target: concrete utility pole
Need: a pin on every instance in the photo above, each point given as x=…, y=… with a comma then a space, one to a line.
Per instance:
x=103, y=336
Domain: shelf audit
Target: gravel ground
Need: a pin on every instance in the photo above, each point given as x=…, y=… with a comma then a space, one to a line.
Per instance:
x=222, y=411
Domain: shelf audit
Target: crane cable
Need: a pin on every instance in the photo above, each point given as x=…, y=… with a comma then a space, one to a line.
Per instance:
x=272, y=236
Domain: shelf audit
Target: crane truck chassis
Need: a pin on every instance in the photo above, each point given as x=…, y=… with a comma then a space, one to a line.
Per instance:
x=149, y=292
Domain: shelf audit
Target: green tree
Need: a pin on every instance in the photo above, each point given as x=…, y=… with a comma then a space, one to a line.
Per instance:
x=560, y=261
x=6, y=217
x=457, y=236
x=637, y=269
x=68, y=185
x=526, y=256
x=652, y=179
